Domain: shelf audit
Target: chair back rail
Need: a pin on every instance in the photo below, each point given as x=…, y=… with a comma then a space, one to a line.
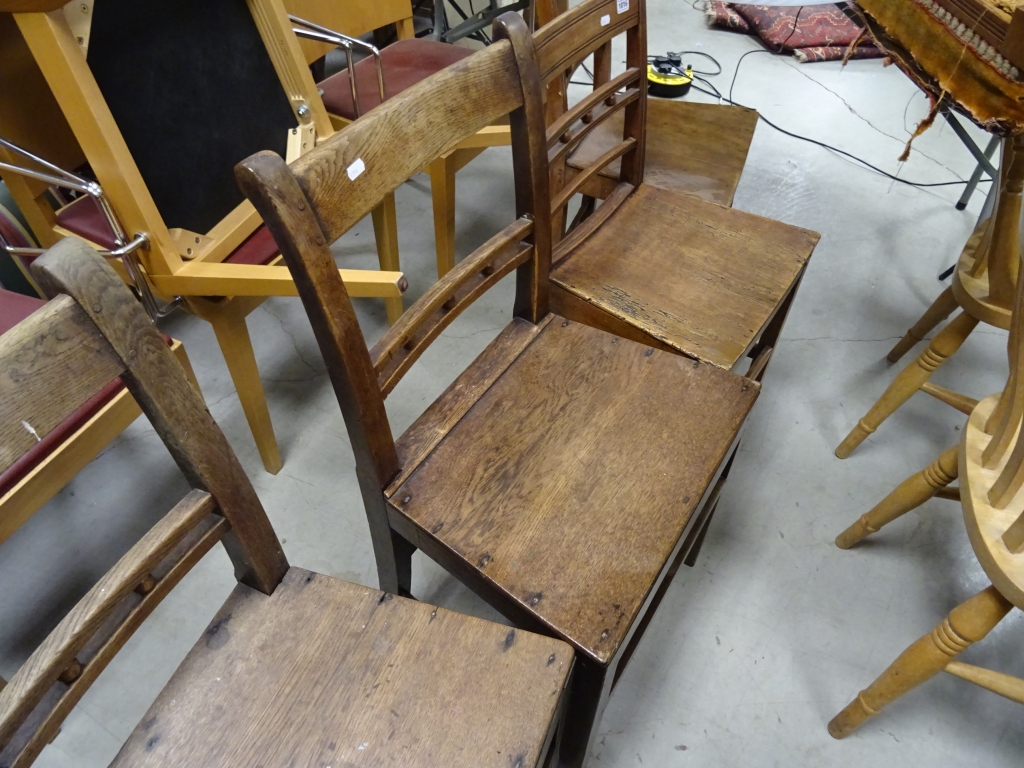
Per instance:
x=72, y=347
x=561, y=46
x=312, y=203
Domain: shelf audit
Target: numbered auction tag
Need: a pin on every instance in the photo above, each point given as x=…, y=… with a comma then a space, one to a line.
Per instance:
x=356, y=169
x=622, y=5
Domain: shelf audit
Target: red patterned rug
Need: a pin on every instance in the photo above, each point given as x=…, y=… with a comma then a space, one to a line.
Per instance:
x=809, y=32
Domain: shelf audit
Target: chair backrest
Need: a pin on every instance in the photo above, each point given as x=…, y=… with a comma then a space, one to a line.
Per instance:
x=350, y=17
x=562, y=45
x=164, y=99
x=309, y=205
x=50, y=364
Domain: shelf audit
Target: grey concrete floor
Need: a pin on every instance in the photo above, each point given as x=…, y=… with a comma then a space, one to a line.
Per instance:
x=775, y=629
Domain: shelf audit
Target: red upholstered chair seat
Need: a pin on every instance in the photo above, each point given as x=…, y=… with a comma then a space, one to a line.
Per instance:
x=15, y=307
x=85, y=218
x=404, y=62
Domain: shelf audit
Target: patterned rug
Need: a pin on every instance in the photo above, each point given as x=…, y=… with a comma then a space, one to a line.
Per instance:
x=809, y=32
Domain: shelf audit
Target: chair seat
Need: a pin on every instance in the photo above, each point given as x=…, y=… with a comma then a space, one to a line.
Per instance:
x=699, y=149
x=404, y=62
x=569, y=483
x=84, y=217
x=985, y=523
x=325, y=672
x=697, y=277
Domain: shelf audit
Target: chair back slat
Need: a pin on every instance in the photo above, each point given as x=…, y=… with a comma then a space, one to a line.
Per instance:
x=565, y=42
x=50, y=365
x=222, y=507
x=351, y=173
x=310, y=204
x=59, y=661
x=561, y=141
x=1005, y=419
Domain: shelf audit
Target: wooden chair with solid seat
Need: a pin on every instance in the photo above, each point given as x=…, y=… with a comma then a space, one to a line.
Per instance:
x=649, y=264
x=332, y=672
x=990, y=464
x=403, y=63
x=566, y=474
x=699, y=149
x=162, y=101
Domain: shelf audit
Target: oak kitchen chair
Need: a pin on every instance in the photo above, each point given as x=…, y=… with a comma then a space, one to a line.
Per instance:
x=125, y=75
x=566, y=473
x=990, y=464
x=650, y=264
x=296, y=667
x=399, y=65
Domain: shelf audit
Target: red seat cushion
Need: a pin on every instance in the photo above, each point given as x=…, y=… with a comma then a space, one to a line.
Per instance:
x=13, y=309
x=405, y=63
x=85, y=218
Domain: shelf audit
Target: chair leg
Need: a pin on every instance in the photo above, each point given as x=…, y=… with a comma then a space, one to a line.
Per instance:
x=236, y=346
x=385, y=230
x=968, y=623
x=442, y=191
x=588, y=695
x=910, y=494
x=945, y=343
x=940, y=309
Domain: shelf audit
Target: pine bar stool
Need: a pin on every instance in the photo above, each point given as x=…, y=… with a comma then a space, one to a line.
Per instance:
x=990, y=464
x=296, y=667
x=398, y=66
x=698, y=149
x=654, y=265
x=566, y=474
x=162, y=108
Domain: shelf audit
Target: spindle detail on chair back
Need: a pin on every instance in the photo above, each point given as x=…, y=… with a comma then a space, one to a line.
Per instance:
x=310, y=204
x=50, y=364
x=561, y=47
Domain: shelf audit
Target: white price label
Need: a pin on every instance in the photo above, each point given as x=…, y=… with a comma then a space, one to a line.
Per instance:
x=622, y=5
x=606, y=20
x=356, y=169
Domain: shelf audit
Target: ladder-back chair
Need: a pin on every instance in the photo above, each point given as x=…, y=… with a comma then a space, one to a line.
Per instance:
x=163, y=100
x=654, y=265
x=399, y=65
x=696, y=148
x=331, y=672
x=566, y=474
x=990, y=464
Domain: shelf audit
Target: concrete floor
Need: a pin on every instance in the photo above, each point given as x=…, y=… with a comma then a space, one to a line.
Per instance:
x=775, y=629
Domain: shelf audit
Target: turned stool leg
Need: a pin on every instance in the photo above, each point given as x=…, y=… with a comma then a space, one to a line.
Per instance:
x=910, y=494
x=940, y=309
x=945, y=343
x=968, y=623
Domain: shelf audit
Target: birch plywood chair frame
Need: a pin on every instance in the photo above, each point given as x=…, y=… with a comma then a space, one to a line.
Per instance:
x=982, y=289
x=531, y=434
x=632, y=267
x=358, y=17
x=990, y=463
x=179, y=264
x=316, y=696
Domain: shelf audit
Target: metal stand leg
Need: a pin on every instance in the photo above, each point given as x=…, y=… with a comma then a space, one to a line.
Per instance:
x=975, y=179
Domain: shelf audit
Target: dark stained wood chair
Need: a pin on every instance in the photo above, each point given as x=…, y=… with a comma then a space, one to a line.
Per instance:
x=566, y=473
x=296, y=668
x=650, y=264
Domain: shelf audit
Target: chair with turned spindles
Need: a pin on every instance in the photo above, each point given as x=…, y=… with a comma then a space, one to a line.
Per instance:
x=990, y=463
x=296, y=668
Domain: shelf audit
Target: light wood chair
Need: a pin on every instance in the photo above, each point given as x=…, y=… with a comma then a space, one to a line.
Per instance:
x=566, y=474
x=403, y=63
x=31, y=478
x=649, y=264
x=990, y=465
x=295, y=667
x=163, y=155
x=698, y=149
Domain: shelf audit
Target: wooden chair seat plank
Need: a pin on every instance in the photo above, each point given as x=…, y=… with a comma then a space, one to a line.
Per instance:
x=530, y=488
x=698, y=149
x=325, y=672
x=700, y=278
